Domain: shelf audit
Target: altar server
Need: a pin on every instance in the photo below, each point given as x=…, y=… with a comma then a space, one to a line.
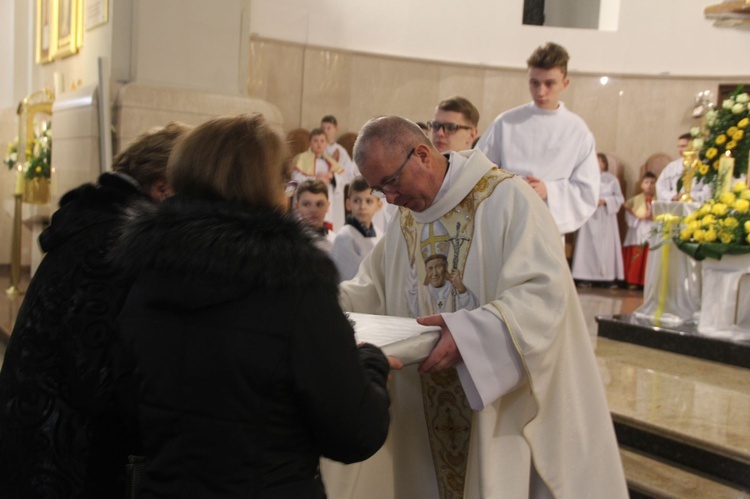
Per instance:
x=545, y=143
x=669, y=178
x=454, y=124
x=355, y=240
x=598, y=252
x=639, y=218
x=540, y=426
x=317, y=163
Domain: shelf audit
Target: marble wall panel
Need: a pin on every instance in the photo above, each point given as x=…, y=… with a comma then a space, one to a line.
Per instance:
x=393, y=86
x=598, y=105
x=465, y=81
x=327, y=89
x=275, y=75
x=503, y=89
x=641, y=127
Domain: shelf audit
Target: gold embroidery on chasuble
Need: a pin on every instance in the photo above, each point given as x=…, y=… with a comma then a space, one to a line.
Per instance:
x=437, y=256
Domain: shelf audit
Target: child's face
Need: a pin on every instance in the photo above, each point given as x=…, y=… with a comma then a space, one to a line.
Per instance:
x=330, y=129
x=363, y=206
x=318, y=144
x=312, y=207
x=648, y=186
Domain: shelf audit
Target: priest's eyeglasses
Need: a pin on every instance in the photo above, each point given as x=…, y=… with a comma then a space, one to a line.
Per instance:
x=450, y=128
x=392, y=183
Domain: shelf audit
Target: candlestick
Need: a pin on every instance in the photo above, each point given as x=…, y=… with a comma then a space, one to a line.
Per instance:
x=19, y=180
x=726, y=172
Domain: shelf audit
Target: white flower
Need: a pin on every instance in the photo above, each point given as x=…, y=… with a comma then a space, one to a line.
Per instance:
x=697, y=144
x=738, y=108
x=695, y=131
x=728, y=104
x=13, y=157
x=743, y=98
x=711, y=117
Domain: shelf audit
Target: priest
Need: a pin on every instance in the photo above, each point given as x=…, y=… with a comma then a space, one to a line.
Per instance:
x=540, y=423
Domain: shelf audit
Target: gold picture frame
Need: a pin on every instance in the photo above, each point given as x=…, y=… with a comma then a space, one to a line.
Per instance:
x=69, y=32
x=45, y=46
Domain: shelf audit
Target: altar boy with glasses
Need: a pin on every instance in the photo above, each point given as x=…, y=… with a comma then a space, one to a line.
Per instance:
x=454, y=125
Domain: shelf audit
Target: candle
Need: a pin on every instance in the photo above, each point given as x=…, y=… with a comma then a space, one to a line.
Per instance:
x=726, y=172
x=19, y=180
x=53, y=182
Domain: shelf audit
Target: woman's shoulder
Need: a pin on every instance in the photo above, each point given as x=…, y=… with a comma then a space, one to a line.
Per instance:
x=215, y=240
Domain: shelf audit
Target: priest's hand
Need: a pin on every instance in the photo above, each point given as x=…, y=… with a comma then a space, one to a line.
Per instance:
x=538, y=186
x=445, y=354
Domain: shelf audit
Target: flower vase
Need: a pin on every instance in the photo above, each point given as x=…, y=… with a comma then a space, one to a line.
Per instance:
x=36, y=190
x=725, y=297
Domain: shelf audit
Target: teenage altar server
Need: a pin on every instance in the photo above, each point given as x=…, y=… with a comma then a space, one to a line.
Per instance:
x=598, y=254
x=551, y=147
x=540, y=426
x=316, y=163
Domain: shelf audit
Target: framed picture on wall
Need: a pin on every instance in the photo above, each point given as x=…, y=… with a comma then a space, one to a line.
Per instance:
x=68, y=17
x=44, y=36
x=95, y=13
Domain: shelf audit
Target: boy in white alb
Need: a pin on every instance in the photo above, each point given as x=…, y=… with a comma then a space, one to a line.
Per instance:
x=598, y=252
x=357, y=238
x=317, y=164
x=549, y=146
x=312, y=205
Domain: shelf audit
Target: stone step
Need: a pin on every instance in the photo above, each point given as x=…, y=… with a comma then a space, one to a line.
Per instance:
x=682, y=409
x=658, y=479
x=733, y=348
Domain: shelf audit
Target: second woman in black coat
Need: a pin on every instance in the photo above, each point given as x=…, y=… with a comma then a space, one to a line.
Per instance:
x=246, y=368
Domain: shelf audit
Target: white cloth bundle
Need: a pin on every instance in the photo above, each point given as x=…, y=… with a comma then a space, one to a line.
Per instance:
x=399, y=337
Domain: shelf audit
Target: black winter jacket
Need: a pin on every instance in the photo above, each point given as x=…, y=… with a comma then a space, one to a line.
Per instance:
x=60, y=432
x=245, y=367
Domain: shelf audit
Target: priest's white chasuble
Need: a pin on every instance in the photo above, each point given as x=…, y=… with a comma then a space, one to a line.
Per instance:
x=538, y=418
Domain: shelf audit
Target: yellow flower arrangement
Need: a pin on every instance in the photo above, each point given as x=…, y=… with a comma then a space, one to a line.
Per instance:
x=718, y=227
x=724, y=129
x=38, y=154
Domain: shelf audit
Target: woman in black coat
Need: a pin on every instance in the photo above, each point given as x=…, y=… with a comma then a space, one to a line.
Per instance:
x=245, y=367
x=61, y=433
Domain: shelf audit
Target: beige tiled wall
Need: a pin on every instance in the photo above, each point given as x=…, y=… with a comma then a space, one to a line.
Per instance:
x=631, y=117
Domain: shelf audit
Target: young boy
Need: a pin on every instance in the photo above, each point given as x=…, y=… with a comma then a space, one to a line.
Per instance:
x=639, y=219
x=316, y=163
x=357, y=238
x=312, y=205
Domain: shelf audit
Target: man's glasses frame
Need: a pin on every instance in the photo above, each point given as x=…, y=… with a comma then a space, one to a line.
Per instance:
x=392, y=182
x=450, y=128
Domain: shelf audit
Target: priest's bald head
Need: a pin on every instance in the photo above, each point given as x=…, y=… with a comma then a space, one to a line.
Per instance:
x=399, y=162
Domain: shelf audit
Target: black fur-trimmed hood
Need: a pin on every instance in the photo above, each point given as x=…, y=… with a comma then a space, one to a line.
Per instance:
x=212, y=245
x=88, y=206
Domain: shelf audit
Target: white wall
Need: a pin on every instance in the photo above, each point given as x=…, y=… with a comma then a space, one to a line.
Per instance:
x=653, y=38
x=572, y=13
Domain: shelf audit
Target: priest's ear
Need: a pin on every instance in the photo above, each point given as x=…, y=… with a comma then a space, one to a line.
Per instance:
x=160, y=190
